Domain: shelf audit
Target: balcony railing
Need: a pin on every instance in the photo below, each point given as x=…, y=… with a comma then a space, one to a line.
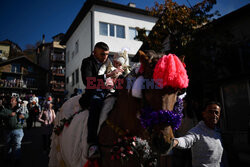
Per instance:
x=59, y=71
x=57, y=57
x=17, y=83
x=57, y=86
x=58, y=90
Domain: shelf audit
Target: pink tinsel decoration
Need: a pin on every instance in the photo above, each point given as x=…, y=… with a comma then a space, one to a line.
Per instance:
x=171, y=70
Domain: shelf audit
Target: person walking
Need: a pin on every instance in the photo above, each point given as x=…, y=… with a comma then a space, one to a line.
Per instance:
x=47, y=117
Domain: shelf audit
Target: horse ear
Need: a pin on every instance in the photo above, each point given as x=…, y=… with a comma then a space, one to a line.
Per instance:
x=143, y=58
x=148, y=61
x=182, y=58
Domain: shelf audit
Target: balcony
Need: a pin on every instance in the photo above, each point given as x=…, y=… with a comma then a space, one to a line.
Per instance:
x=57, y=90
x=57, y=57
x=17, y=83
x=58, y=74
x=57, y=86
x=58, y=71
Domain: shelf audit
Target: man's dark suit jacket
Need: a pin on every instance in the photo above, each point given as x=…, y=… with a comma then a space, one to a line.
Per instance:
x=90, y=68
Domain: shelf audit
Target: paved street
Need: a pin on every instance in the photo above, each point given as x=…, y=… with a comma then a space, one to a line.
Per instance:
x=32, y=151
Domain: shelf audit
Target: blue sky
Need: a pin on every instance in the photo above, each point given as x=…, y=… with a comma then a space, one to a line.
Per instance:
x=24, y=21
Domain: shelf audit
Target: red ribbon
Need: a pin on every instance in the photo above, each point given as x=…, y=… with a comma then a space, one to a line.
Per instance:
x=93, y=163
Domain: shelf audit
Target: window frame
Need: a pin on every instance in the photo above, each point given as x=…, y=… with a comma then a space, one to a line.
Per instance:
x=124, y=37
x=73, y=78
x=76, y=47
x=115, y=29
x=100, y=32
x=15, y=65
x=77, y=75
x=130, y=28
x=67, y=56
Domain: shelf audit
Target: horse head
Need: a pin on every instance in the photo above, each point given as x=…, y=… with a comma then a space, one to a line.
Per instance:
x=161, y=100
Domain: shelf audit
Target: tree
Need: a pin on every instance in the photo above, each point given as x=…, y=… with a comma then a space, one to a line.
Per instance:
x=176, y=24
x=32, y=46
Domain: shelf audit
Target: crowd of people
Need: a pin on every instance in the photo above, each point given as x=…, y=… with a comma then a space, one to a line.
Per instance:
x=17, y=113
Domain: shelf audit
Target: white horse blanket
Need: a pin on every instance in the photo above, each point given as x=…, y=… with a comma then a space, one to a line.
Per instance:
x=69, y=149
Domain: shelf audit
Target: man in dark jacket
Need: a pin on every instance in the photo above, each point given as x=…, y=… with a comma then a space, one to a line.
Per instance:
x=13, y=129
x=94, y=96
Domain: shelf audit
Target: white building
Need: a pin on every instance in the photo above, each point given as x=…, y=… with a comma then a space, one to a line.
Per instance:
x=104, y=21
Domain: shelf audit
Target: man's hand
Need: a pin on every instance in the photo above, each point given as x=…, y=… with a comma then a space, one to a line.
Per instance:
x=13, y=114
x=115, y=73
x=175, y=142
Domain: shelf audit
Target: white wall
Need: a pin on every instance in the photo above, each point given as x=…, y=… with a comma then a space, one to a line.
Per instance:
x=123, y=18
x=83, y=35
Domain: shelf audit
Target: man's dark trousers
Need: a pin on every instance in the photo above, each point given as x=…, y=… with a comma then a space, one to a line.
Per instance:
x=96, y=102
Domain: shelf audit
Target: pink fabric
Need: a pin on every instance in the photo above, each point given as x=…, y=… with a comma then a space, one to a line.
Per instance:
x=171, y=70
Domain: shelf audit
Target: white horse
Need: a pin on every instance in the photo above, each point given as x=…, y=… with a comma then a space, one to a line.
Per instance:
x=69, y=149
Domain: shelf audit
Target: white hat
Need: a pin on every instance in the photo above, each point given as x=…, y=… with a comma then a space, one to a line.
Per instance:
x=122, y=57
x=120, y=60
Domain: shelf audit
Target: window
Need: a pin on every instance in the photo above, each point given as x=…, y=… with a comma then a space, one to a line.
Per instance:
x=30, y=69
x=73, y=79
x=1, y=52
x=30, y=82
x=77, y=75
x=132, y=33
x=103, y=29
x=16, y=68
x=77, y=46
x=67, y=56
x=73, y=54
x=120, y=31
x=70, y=79
x=112, y=30
x=67, y=80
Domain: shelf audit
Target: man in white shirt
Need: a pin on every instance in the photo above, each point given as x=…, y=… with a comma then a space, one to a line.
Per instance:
x=204, y=139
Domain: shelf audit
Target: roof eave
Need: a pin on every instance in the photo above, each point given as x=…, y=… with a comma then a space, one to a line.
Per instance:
x=87, y=6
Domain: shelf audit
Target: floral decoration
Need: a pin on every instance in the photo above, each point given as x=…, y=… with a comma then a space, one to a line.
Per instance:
x=64, y=122
x=131, y=146
x=150, y=118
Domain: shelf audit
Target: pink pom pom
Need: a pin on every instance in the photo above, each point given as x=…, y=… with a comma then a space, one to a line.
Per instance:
x=171, y=70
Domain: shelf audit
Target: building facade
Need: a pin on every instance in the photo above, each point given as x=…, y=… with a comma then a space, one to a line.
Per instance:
x=21, y=76
x=9, y=49
x=104, y=21
x=51, y=56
